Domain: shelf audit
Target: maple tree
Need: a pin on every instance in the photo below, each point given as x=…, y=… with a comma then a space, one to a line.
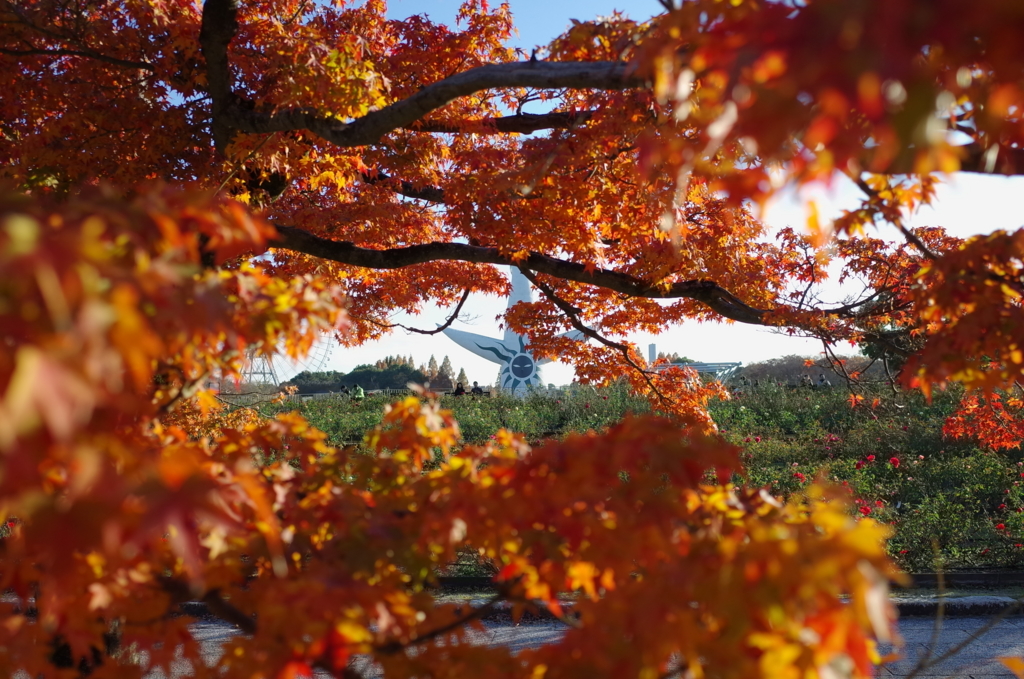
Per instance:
x=153, y=150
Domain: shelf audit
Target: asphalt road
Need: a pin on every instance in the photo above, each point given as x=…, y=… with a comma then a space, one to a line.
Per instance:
x=976, y=659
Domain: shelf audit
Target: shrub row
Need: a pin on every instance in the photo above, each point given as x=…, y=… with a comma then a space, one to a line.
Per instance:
x=950, y=504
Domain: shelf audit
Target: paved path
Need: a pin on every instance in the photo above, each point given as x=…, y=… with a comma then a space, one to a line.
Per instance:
x=977, y=660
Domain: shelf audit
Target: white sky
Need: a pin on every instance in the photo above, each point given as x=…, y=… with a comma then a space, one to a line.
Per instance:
x=967, y=204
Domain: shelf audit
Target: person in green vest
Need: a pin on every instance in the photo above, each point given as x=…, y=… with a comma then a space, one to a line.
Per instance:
x=357, y=393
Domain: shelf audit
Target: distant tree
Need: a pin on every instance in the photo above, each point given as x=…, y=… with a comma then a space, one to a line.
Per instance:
x=462, y=377
x=379, y=375
x=308, y=382
x=788, y=369
x=675, y=357
x=432, y=367
x=446, y=368
x=393, y=377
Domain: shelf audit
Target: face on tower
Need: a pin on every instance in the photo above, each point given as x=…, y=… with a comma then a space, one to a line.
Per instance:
x=522, y=366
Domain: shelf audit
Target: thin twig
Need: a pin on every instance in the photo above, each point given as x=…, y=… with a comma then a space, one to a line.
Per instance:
x=939, y=616
x=393, y=647
x=971, y=638
x=907, y=233
x=241, y=164
x=571, y=314
x=440, y=328
x=302, y=6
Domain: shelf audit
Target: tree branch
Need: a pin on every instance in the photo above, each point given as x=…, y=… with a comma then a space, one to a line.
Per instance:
x=87, y=54
x=431, y=194
x=392, y=647
x=219, y=25
x=440, y=328
x=1003, y=160
x=907, y=233
x=600, y=75
x=223, y=609
x=718, y=299
x=522, y=123
x=572, y=313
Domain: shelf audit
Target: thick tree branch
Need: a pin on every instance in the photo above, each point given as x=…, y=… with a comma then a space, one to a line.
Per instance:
x=432, y=194
x=973, y=158
x=718, y=299
x=1001, y=160
x=522, y=123
x=599, y=75
x=219, y=25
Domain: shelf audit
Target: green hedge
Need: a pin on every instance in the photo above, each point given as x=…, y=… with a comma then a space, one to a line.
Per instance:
x=948, y=501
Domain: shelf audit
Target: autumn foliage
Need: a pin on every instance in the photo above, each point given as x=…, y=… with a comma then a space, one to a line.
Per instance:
x=186, y=185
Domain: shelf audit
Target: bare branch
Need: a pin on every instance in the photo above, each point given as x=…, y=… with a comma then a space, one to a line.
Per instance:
x=431, y=194
x=907, y=233
x=717, y=298
x=216, y=604
x=440, y=328
x=392, y=647
x=522, y=123
x=223, y=609
x=572, y=313
x=369, y=129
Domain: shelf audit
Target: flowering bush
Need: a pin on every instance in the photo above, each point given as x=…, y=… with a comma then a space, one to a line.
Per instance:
x=944, y=498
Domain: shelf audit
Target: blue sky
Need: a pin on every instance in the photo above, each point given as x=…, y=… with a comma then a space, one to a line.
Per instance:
x=967, y=205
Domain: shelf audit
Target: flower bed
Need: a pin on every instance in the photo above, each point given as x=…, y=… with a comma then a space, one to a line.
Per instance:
x=951, y=504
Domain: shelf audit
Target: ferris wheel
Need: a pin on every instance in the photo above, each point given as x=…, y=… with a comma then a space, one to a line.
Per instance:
x=269, y=368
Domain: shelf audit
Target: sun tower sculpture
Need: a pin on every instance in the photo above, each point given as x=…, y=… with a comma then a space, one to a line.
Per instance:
x=520, y=370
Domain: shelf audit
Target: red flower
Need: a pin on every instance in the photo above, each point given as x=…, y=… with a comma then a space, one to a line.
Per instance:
x=864, y=510
x=11, y=524
x=870, y=458
x=800, y=477
x=605, y=397
x=586, y=405
x=879, y=503
x=904, y=551
x=757, y=439
x=1001, y=507
x=858, y=465
x=1000, y=526
x=895, y=462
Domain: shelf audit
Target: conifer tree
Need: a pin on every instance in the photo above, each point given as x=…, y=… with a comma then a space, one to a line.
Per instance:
x=446, y=368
